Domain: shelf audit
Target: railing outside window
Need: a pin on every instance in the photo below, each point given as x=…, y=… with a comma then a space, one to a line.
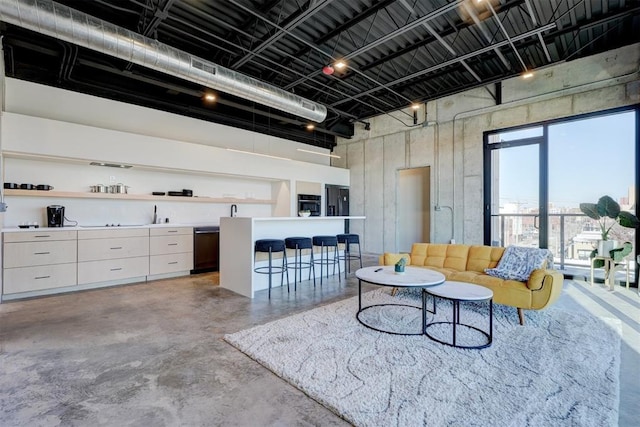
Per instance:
x=572, y=237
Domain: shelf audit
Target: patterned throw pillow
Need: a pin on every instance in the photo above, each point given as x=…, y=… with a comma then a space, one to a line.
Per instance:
x=518, y=262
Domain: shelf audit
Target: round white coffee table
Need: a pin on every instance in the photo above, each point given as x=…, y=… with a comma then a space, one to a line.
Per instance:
x=458, y=292
x=413, y=277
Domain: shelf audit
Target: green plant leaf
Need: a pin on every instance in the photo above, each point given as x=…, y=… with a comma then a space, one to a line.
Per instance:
x=590, y=210
x=608, y=207
x=627, y=219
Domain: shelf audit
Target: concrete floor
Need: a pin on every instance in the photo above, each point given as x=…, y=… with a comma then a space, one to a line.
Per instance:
x=153, y=354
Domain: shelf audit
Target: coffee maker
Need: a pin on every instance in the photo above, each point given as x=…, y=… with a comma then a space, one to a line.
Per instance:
x=55, y=216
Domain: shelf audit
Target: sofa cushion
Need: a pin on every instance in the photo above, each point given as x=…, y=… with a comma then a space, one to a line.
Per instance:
x=482, y=257
x=456, y=257
x=440, y=255
x=518, y=262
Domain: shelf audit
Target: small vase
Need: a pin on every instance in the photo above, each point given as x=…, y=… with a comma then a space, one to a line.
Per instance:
x=604, y=246
x=399, y=269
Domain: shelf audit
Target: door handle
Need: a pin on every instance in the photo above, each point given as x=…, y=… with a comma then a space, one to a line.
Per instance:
x=41, y=253
x=536, y=221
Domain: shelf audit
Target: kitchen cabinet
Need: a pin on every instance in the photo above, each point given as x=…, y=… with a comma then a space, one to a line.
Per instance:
x=42, y=261
x=112, y=269
x=171, y=250
x=39, y=260
x=112, y=254
x=94, y=245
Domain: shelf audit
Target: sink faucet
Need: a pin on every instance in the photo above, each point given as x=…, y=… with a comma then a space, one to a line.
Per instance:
x=234, y=210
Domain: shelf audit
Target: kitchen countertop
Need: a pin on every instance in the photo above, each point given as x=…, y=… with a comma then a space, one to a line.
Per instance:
x=302, y=218
x=16, y=229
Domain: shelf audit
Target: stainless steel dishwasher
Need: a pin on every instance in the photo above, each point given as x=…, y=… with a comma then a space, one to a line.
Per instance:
x=206, y=249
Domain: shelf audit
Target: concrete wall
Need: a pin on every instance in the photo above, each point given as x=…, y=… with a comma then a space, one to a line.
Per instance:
x=449, y=139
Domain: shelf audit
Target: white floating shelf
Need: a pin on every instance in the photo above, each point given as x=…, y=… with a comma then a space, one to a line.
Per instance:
x=76, y=195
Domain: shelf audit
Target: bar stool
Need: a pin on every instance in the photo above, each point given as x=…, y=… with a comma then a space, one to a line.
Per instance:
x=326, y=242
x=271, y=246
x=298, y=244
x=347, y=240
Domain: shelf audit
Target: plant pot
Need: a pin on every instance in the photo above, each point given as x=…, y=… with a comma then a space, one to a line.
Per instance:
x=399, y=269
x=604, y=246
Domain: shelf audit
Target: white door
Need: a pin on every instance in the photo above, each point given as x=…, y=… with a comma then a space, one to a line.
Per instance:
x=412, y=207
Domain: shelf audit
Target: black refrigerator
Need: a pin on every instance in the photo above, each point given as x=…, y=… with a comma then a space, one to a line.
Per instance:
x=337, y=200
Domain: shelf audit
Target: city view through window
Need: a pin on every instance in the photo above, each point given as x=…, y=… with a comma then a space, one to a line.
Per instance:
x=587, y=159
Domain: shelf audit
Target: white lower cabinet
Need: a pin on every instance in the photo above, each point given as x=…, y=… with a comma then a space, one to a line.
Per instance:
x=27, y=279
x=114, y=254
x=170, y=263
x=39, y=260
x=171, y=250
x=112, y=269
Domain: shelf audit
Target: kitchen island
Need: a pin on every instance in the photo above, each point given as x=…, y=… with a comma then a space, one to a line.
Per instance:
x=238, y=236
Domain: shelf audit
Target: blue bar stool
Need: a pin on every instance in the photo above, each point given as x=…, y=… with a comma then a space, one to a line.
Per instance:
x=271, y=246
x=326, y=242
x=347, y=240
x=298, y=244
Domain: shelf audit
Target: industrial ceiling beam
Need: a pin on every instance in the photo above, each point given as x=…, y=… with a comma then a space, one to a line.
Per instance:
x=454, y=60
x=313, y=7
x=413, y=24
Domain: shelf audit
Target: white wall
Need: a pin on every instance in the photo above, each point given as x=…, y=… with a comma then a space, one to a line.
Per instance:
x=32, y=99
x=49, y=136
x=450, y=141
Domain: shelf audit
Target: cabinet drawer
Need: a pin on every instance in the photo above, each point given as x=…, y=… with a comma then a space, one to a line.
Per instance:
x=101, y=249
x=171, y=263
x=160, y=245
x=170, y=231
x=27, y=254
x=39, y=236
x=113, y=233
x=113, y=269
x=27, y=279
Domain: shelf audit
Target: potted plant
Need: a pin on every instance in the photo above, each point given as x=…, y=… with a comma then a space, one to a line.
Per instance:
x=607, y=212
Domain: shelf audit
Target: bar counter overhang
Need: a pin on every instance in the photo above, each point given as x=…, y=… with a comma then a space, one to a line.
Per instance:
x=238, y=235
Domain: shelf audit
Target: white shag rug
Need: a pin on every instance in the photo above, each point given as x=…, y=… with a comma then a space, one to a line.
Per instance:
x=561, y=368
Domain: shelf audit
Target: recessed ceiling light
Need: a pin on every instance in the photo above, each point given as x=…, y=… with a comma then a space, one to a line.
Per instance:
x=210, y=97
x=253, y=153
x=111, y=165
x=335, y=156
x=311, y=126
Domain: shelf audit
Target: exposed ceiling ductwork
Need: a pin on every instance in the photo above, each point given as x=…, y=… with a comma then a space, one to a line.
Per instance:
x=64, y=23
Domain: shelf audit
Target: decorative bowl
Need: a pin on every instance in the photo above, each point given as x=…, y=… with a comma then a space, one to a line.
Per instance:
x=304, y=213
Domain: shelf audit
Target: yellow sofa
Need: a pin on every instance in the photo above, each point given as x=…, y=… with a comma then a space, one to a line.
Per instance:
x=466, y=263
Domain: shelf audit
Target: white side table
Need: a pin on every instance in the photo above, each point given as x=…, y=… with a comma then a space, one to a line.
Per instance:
x=610, y=268
x=458, y=292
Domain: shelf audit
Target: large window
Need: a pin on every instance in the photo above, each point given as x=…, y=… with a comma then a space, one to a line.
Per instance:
x=536, y=177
